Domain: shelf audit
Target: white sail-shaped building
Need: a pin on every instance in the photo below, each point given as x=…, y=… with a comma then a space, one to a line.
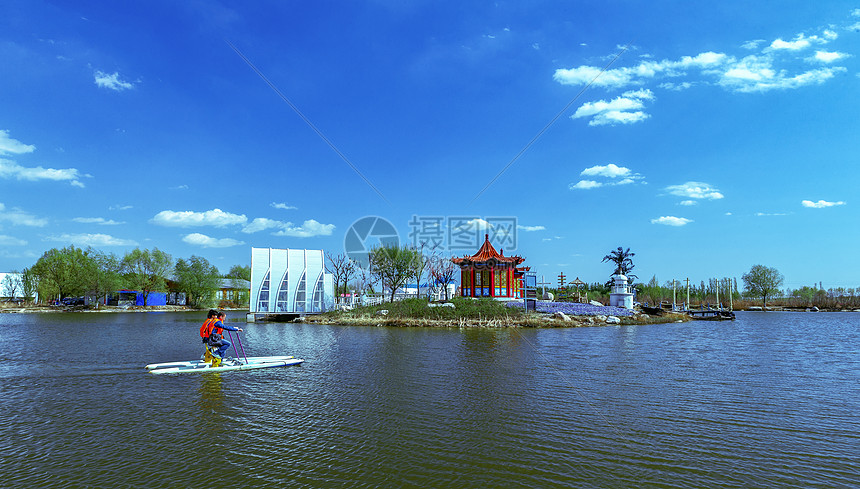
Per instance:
x=285, y=281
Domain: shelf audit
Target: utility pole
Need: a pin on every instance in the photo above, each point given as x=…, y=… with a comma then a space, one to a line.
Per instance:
x=673, y=295
x=543, y=283
x=718, y=294
x=688, y=292
x=731, y=295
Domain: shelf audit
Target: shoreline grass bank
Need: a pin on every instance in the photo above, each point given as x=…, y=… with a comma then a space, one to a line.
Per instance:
x=475, y=313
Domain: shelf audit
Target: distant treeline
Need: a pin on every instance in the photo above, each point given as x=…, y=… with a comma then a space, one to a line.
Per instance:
x=653, y=293
x=75, y=272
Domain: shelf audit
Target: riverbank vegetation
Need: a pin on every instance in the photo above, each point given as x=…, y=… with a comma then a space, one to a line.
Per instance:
x=63, y=273
x=468, y=312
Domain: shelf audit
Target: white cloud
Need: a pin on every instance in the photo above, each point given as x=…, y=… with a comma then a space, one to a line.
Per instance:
x=701, y=60
x=11, y=241
x=797, y=44
x=677, y=87
x=829, y=57
x=801, y=42
x=780, y=81
x=671, y=221
x=111, y=81
x=636, y=75
x=770, y=69
x=281, y=205
x=618, y=175
x=17, y=217
x=96, y=220
x=768, y=214
x=530, y=228
x=215, y=217
x=688, y=202
x=585, y=185
x=261, y=224
x=821, y=204
x=584, y=75
x=11, y=169
x=620, y=110
x=695, y=190
x=855, y=12
x=13, y=146
x=611, y=171
x=308, y=229
x=204, y=241
x=752, y=44
x=854, y=27
x=473, y=225
x=750, y=68
x=120, y=207
x=94, y=240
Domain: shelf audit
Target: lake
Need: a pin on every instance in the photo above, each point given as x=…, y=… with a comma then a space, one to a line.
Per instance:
x=769, y=400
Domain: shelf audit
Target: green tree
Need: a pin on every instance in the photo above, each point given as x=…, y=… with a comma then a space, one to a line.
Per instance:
x=104, y=275
x=763, y=282
x=29, y=284
x=198, y=279
x=391, y=265
x=417, y=267
x=63, y=272
x=805, y=294
x=237, y=275
x=146, y=270
x=242, y=272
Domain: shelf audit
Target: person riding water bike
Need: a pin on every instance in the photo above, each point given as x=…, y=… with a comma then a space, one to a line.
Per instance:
x=205, y=331
x=216, y=338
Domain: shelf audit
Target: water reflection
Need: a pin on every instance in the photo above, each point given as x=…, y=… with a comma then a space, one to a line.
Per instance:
x=768, y=400
x=211, y=399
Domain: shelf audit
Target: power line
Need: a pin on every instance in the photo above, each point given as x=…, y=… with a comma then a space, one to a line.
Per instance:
x=307, y=121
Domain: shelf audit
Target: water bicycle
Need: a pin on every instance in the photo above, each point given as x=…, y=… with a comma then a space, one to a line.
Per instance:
x=210, y=362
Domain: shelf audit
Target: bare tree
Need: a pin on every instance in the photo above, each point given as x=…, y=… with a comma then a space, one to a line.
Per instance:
x=342, y=269
x=442, y=272
x=11, y=284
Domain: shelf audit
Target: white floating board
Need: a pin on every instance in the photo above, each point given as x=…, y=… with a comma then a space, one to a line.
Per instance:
x=199, y=366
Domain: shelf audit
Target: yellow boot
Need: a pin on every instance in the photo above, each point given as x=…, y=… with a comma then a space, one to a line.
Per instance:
x=216, y=362
x=207, y=355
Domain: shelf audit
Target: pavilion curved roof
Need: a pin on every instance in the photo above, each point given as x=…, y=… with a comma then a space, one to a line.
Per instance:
x=487, y=254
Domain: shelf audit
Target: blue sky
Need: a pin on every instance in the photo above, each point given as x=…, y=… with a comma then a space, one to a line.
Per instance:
x=705, y=136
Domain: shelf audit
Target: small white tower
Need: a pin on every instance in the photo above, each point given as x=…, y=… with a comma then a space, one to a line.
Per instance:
x=621, y=295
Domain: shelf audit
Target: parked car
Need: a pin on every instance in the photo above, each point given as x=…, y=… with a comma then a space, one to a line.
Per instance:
x=73, y=301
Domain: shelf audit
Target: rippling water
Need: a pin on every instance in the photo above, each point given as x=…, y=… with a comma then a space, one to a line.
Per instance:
x=770, y=400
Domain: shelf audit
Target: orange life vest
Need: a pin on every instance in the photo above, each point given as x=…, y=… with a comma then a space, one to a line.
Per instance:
x=206, y=329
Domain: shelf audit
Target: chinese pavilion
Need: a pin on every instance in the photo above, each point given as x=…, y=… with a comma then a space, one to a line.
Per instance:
x=489, y=273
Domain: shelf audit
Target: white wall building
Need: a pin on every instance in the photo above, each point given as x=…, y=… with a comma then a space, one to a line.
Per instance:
x=290, y=281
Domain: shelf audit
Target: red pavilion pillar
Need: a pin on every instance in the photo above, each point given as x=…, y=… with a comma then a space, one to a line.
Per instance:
x=472, y=271
x=492, y=282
